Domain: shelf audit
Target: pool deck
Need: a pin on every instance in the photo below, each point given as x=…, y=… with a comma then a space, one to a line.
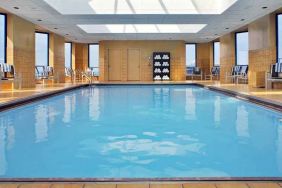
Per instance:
x=13, y=98
x=11, y=95
x=272, y=95
x=148, y=185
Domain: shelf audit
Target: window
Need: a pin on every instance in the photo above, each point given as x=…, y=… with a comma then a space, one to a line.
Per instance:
x=141, y=28
x=141, y=7
x=93, y=62
x=216, y=54
x=41, y=49
x=242, y=48
x=190, y=55
x=68, y=55
x=279, y=37
x=3, y=38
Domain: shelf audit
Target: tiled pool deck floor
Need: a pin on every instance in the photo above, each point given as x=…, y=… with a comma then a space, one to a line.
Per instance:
x=10, y=95
x=147, y=185
x=274, y=95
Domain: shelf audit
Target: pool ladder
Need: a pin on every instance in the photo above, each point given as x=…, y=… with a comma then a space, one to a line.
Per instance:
x=89, y=78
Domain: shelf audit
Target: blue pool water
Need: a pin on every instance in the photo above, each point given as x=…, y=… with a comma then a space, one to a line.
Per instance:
x=140, y=132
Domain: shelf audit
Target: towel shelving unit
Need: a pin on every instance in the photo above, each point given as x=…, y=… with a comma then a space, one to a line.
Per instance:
x=161, y=66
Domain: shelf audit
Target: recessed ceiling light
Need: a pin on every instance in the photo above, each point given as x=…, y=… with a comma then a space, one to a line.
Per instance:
x=141, y=6
x=264, y=7
x=142, y=28
x=16, y=8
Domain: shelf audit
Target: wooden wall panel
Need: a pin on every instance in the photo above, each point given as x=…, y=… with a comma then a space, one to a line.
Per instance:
x=57, y=56
x=81, y=56
x=115, y=64
x=133, y=64
x=204, y=57
x=227, y=55
x=177, y=49
x=262, y=47
x=21, y=50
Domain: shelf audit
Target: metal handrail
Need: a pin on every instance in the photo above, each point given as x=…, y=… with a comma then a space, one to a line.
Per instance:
x=89, y=78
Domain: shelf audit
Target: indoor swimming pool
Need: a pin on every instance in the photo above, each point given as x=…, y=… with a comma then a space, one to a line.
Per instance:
x=140, y=131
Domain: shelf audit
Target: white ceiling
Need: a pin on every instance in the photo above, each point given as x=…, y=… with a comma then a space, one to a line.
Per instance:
x=67, y=22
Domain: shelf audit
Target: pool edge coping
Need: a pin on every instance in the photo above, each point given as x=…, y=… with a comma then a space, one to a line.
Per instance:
x=139, y=180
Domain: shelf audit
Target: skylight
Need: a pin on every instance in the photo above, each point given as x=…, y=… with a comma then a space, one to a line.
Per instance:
x=142, y=28
x=141, y=6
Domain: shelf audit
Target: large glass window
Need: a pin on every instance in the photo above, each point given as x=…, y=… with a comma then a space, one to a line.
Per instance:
x=3, y=38
x=68, y=55
x=190, y=55
x=42, y=49
x=94, y=57
x=242, y=48
x=216, y=54
x=279, y=37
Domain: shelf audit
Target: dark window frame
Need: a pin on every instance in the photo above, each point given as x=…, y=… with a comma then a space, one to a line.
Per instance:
x=5, y=36
x=48, y=45
x=70, y=53
x=236, y=44
x=196, y=55
x=277, y=35
x=213, y=53
x=89, y=52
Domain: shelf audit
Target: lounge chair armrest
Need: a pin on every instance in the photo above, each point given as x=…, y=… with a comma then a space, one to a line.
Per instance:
x=268, y=75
